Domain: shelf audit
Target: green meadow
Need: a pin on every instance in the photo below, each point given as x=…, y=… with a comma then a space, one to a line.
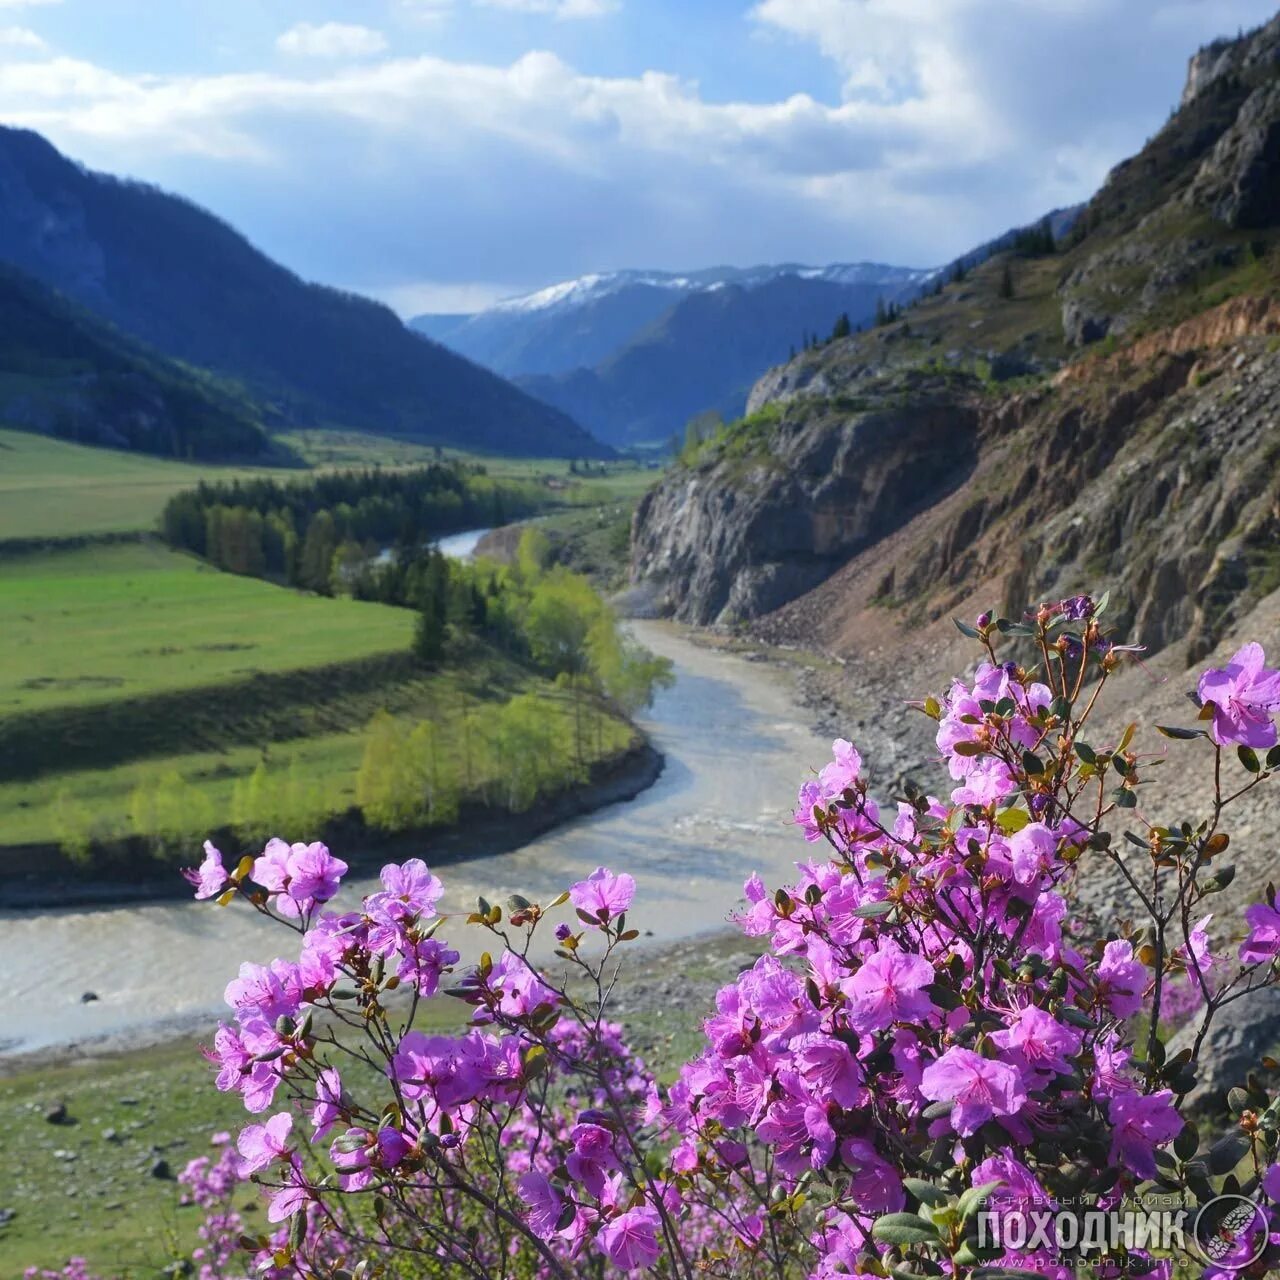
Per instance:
x=101, y=623
x=145, y=694
x=53, y=489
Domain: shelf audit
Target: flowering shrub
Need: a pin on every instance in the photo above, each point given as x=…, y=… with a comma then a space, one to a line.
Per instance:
x=934, y=1052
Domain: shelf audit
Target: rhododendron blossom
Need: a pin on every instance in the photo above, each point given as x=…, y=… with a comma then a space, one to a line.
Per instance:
x=1244, y=696
x=932, y=1024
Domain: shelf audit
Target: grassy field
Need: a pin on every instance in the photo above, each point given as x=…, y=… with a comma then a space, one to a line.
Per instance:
x=52, y=489
x=133, y=669
x=98, y=1199
x=107, y=622
x=308, y=779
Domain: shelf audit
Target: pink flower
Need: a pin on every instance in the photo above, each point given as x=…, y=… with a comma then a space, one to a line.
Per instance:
x=411, y=885
x=592, y=1156
x=1271, y=1183
x=842, y=773
x=210, y=878
x=1141, y=1123
x=874, y=1184
x=271, y=867
x=1196, y=951
x=262, y=1144
x=981, y=1088
x=889, y=988
x=1243, y=695
x=422, y=963
x=314, y=874
x=1040, y=1042
x=544, y=1201
x=1032, y=851
x=630, y=1240
x=1263, y=941
x=1121, y=979
x=602, y=895
x=290, y=1197
x=828, y=1066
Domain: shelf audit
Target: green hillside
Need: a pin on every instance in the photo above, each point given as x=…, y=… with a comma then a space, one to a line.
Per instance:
x=65, y=372
x=174, y=276
x=54, y=489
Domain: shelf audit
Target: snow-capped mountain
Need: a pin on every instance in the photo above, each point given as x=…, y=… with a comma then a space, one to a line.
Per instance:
x=637, y=353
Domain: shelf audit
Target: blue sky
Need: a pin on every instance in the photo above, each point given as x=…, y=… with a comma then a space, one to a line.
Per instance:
x=441, y=153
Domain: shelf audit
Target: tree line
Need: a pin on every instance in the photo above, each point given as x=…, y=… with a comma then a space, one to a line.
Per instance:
x=315, y=532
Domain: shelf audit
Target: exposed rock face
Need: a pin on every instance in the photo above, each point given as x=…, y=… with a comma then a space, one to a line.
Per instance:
x=1222, y=58
x=741, y=535
x=1239, y=181
x=1152, y=470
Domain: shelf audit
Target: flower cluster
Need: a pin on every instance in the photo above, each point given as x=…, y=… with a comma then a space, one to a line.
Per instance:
x=933, y=1030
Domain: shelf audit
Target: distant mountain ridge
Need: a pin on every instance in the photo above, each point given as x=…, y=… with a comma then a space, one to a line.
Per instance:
x=176, y=277
x=634, y=354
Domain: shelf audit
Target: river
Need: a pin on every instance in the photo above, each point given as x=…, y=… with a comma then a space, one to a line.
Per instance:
x=736, y=748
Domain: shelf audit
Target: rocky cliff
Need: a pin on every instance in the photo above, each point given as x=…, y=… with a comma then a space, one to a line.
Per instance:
x=741, y=532
x=1105, y=413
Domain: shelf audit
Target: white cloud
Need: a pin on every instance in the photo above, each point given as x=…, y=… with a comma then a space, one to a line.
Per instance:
x=20, y=38
x=434, y=297
x=331, y=40
x=954, y=120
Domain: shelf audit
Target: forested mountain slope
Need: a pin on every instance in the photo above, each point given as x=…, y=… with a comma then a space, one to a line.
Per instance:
x=63, y=372
x=178, y=278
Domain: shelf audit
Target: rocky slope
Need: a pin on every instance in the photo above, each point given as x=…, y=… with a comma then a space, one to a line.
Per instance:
x=1104, y=417
x=984, y=443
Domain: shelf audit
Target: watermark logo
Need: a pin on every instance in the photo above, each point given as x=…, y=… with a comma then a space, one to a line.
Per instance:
x=1082, y=1231
x=1230, y=1232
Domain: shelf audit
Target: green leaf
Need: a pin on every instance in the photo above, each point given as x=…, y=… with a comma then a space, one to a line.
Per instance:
x=870, y=910
x=966, y=630
x=1078, y=1018
x=1125, y=798
x=1014, y=628
x=925, y=1192
x=904, y=1228
x=1187, y=1143
x=1227, y=1152
x=975, y=1197
x=1011, y=821
x=1273, y=758
x=1219, y=881
x=1249, y=758
x=942, y=996
x=1032, y=763
x=1182, y=735
x=1086, y=753
x=967, y=749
